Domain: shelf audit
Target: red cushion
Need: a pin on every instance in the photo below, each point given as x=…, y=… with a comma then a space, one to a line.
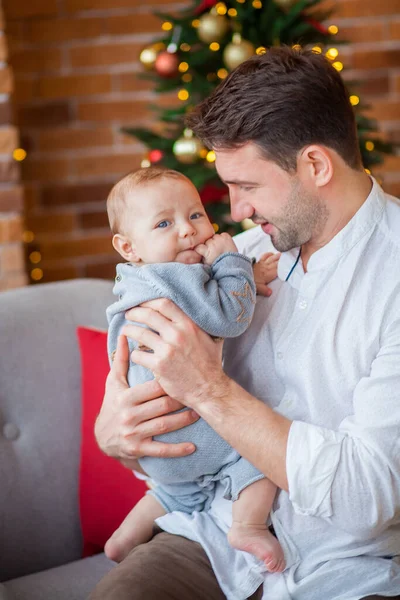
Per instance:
x=107, y=490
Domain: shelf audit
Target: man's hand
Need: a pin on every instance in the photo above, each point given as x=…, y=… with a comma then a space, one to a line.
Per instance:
x=129, y=417
x=215, y=246
x=265, y=271
x=185, y=360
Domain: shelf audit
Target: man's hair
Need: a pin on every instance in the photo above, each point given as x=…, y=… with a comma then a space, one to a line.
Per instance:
x=282, y=101
x=117, y=201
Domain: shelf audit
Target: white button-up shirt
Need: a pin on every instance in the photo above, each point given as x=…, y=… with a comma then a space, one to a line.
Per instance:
x=324, y=351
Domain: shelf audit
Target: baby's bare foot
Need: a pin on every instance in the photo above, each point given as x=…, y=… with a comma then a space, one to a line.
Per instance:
x=259, y=541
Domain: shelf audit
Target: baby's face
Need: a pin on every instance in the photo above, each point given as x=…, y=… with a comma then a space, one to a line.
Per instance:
x=167, y=221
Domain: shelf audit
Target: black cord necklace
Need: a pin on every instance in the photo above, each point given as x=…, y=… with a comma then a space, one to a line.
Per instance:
x=294, y=266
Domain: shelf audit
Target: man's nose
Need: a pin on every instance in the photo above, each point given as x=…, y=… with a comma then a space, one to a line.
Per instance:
x=240, y=209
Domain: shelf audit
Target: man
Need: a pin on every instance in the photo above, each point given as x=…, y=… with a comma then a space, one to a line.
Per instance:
x=323, y=353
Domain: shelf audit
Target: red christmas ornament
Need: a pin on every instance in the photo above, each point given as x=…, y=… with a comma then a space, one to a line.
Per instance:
x=155, y=155
x=167, y=64
x=205, y=5
x=211, y=193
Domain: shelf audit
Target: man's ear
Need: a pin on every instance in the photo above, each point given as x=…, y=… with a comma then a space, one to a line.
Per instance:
x=316, y=164
x=125, y=248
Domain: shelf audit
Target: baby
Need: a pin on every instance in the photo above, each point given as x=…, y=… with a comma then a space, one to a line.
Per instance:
x=160, y=228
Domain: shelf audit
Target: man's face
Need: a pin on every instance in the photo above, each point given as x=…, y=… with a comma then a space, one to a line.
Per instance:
x=277, y=200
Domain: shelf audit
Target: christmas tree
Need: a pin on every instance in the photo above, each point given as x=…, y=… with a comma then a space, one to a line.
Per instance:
x=198, y=48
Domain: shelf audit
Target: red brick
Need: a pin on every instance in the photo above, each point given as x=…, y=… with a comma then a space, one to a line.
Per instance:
x=363, y=33
x=392, y=188
x=66, y=138
x=26, y=9
x=94, y=220
x=131, y=82
x=396, y=82
x=136, y=23
x=390, y=164
x=31, y=196
x=63, y=195
x=51, y=222
x=382, y=59
x=9, y=171
x=366, y=8
x=117, y=164
x=384, y=110
x=106, y=54
x=59, y=272
x=6, y=113
x=44, y=169
x=64, y=30
x=10, y=228
x=70, y=85
x=6, y=81
x=394, y=30
x=3, y=48
x=11, y=199
x=372, y=86
x=36, y=61
x=123, y=111
x=45, y=115
x=24, y=89
x=102, y=270
x=73, y=248
x=11, y=258
x=8, y=140
x=79, y=5
x=15, y=34
x=2, y=20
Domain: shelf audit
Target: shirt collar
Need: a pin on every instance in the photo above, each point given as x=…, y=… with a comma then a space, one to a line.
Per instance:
x=359, y=225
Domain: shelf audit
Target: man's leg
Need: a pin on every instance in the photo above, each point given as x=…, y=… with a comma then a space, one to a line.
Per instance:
x=169, y=567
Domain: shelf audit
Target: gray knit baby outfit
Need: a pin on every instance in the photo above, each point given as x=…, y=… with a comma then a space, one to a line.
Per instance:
x=220, y=299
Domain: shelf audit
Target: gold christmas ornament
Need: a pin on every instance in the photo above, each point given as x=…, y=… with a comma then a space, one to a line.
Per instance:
x=187, y=148
x=212, y=27
x=148, y=57
x=237, y=51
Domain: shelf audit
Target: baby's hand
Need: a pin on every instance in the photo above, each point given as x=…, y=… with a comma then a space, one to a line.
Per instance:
x=265, y=271
x=218, y=244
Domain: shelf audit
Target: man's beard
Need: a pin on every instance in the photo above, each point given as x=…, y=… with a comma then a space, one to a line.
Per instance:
x=301, y=218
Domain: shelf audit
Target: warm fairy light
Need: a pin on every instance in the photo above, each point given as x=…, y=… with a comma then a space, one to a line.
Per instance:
x=221, y=8
x=145, y=163
x=261, y=50
x=354, y=100
x=183, y=95
x=37, y=274
x=257, y=4
x=240, y=1
x=369, y=146
x=35, y=257
x=214, y=46
x=195, y=23
x=222, y=73
x=332, y=53
x=19, y=154
x=28, y=237
x=316, y=49
x=338, y=65
x=203, y=152
x=187, y=77
x=232, y=12
x=216, y=227
x=210, y=156
x=183, y=67
x=368, y=172
x=296, y=47
x=333, y=29
x=185, y=47
x=166, y=26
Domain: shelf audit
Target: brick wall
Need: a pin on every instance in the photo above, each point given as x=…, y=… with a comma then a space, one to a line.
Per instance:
x=12, y=269
x=75, y=62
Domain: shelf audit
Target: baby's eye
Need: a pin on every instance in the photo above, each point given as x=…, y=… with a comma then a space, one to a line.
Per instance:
x=163, y=224
x=245, y=188
x=196, y=215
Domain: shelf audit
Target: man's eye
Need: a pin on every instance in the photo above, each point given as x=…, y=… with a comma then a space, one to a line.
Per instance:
x=162, y=224
x=196, y=215
x=245, y=188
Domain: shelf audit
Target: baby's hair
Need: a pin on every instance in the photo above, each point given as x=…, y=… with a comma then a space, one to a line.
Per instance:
x=117, y=198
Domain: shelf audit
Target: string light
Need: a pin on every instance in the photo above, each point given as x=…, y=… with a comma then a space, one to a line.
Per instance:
x=145, y=163
x=368, y=172
x=354, y=100
x=317, y=50
x=214, y=46
x=296, y=47
x=257, y=4
x=19, y=154
x=37, y=274
x=240, y=1
x=196, y=23
x=221, y=8
x=210, y=156
x=338, y=65
x=28, y=237
x=261, y=50
x=369, y=146
x=216, y=227
x=166, y=26
x=203, y=152
x=185, y=47
x=232, y=12
x=222, y=73
x=332, y=53
x=187, y=77
x=333, y=29
x=35, y=257
x=183, y=95
x=183, y=67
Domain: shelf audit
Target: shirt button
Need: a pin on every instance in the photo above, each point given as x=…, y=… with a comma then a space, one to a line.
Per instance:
x=279, y=355
x=118, y=278
x=11, y=431
x=303, y=304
